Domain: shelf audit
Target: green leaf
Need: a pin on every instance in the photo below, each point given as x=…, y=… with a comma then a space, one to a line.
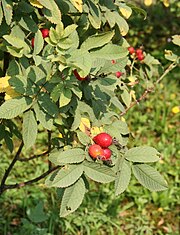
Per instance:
x=38, y=42
x=14, y=107
x=72, y=198
x=8, y=10
x=115, y=101
x=110, y=52
x=142, y=154
x=65, y=97
x=37, y=214
x=83, y=138
x=122, y=24
x=44, y=118
x=121, y=126
x=51, y=11
x=149, y=177
x=123, y=177
x=98, y=40
x=126, y=97
x=69, y=156
x=176, y=39
x=47, y=104
x=1, y=14
x=98, y=172
x=29, y=129
x=67, y=176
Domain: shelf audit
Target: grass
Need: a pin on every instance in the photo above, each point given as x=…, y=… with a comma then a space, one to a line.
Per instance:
x=137, y=211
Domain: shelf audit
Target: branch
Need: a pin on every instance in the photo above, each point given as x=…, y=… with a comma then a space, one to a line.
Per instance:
x=32, y=157
x=19, y=185
x=7, y=172
x=147, y=91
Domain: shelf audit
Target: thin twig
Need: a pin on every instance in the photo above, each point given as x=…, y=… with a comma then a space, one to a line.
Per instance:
x=146, y=92
x=32, y=157
x=29, y=182
x=7, y=172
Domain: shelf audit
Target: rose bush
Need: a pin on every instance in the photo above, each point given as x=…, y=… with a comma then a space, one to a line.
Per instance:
x=63, y=80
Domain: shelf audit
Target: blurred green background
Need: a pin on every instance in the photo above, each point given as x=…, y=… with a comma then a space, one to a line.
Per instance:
x=155, y=122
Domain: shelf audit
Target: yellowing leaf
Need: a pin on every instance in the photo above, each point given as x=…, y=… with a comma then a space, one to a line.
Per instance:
x=5, y=87
x=126, y=11
x=166, y=3
x=77, y=4
x=148, y=2
x=85, y=125
x=96, y=130
x=36, y=3
x=4, y=83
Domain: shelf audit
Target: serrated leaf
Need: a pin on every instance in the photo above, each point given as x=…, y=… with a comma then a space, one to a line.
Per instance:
x=83, y=138
x=110, y=52
x=44, y=118
x=38, y=42
x=36, y=3
x=8, y=10
x=69, y=156
x=149, y=177
x=84, y=124
x=47, y=104
x=126, y=97
x=115, y=101
x=29, y=129
x=14, y=107
x=98, y=172
x=1, y=14
x=122, y=24
x=123, y=177
x=67, y=176
x=125, y=10
x=72, y=198
x=98, y=40
x=65, y=97
x=78, y=4
x=142, y=154
x=51, y=11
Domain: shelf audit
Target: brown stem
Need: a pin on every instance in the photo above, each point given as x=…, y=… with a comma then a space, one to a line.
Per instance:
x=146, y=92
x=19, y=185
x=32, y=157
x=7, y=172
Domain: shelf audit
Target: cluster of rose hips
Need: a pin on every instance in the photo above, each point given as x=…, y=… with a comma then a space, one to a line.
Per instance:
x=100, y=149
x=136, y=52
x=45, y=34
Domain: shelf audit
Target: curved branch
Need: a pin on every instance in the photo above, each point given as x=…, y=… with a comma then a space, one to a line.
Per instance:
x=29, y=182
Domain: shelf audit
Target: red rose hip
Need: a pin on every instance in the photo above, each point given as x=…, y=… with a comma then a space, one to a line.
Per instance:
x=32, y=42
x=118, y=74
x=103, y=139
x=45, y=33
x=139, y=52
x=140, y=57
x=95, y=151
x=131, y=50
x=107, y=154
